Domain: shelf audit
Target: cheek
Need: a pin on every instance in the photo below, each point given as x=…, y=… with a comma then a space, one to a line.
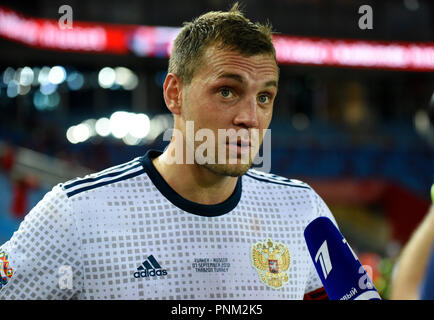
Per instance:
x=204, y=116
x=210, y=114
x=264, y=117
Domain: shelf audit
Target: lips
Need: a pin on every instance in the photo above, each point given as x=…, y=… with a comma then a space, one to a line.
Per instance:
x=243, y=143
x=240, y=142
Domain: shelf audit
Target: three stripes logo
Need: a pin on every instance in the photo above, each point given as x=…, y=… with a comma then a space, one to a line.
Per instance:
x=150, y=268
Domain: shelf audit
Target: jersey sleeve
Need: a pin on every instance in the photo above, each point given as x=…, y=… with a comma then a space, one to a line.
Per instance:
x=314, y=287
x=42, y=258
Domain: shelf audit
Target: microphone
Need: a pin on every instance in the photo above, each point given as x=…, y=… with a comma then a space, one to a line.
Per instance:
x=338, y=267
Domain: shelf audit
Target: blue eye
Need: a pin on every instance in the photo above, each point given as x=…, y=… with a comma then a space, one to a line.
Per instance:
x=225, y=92
x=264, y=98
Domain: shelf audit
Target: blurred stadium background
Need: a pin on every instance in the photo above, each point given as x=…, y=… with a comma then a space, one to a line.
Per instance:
x=351, y=117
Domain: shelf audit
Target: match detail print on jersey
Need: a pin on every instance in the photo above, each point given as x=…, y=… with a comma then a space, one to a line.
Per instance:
x=271, y=260
x=5, y=272
x=219, y=265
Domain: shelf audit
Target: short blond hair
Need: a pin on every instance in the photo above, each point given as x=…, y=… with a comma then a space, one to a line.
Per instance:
x=228, y=29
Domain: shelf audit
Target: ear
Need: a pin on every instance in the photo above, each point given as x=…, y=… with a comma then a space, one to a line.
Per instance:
x=172, y=90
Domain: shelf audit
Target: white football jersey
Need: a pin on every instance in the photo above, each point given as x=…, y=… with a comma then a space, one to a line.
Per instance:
x=124, y=233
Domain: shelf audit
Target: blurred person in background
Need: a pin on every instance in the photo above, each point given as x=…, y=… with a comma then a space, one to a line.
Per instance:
x=154, y=229
x=413, y=276
x=22, y=186
x=7, y=158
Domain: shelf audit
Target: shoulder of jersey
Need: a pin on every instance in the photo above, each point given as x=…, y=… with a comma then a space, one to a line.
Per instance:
x=275, y=179
x=108, y=176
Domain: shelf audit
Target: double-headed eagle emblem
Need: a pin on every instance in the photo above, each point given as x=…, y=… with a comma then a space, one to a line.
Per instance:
x=271, y=260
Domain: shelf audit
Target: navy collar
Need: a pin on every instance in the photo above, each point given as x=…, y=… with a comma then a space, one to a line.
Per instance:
x=182, y=203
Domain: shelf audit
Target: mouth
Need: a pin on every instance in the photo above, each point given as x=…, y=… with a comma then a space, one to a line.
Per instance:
x=240, y=142
x=241, y=146
x=243, y=143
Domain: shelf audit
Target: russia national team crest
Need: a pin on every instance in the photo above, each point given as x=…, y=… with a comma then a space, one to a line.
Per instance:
x=271, y=260
x=5, y=272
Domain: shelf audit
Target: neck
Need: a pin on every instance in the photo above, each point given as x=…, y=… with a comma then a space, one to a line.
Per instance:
x=194, y=182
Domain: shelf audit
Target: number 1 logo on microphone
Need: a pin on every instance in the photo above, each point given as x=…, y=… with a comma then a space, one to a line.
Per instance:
x=324, y=258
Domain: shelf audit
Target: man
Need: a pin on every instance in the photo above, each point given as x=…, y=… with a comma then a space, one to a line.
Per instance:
x=165, y=226
x=413, y=278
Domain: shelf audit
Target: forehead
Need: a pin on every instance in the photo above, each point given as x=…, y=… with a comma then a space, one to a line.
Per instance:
x=217, y=62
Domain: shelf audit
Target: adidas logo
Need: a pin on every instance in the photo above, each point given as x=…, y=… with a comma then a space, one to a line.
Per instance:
x=150, y=268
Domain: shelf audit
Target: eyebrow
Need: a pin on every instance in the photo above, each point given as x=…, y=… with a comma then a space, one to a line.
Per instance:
x=239, y=79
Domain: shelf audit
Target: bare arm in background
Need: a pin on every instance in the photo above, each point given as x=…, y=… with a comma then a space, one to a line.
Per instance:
x=413, y=261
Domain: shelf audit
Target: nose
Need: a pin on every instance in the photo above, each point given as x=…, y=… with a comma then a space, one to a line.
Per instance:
x=247, y=114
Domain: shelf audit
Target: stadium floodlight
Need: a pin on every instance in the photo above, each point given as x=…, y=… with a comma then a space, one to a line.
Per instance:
x=78, y=133
x=48, y=88
x=102, y=127
x=40, y=100
x=23, y=89
x=131, y=140
x=81, y=132
x=8, y=75
x=106, y=77
x=43, y=75
x=12, y=90
x=132, y=82
x=53, y=100
x=90, y=123
x=35, y=81
x=122, y=75
x=126, y=78
x=43, y=101
x=25, y=76
x=159, y=124
x=128, y=126
x=139, y=126
x=17, y=75
x=120, y=122
x=70, y=135
x=155, y=130
x=75, y=81
x=57, y=75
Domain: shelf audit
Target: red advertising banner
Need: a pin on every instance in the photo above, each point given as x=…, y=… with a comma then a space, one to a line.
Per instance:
x=354, y=53
x=46, y=33
x=149, y=41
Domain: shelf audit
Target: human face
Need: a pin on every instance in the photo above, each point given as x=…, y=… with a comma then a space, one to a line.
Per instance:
x=231, y=91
